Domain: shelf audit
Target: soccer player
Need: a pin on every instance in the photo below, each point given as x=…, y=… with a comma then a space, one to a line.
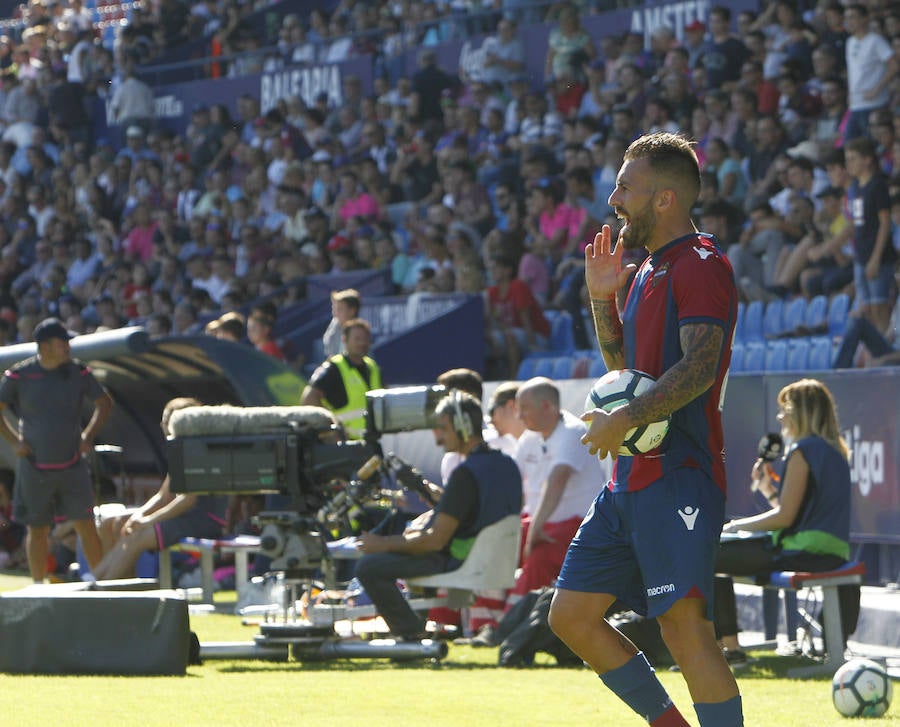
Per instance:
x=652, y=534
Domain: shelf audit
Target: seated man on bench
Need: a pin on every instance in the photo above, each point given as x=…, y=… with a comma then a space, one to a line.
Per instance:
x=162, y=521
x=808, y=525
x=484, y=488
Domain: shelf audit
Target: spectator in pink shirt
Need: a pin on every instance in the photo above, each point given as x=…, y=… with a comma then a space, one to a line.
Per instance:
x=548, y=219
x=353, y=201
x=138, y=243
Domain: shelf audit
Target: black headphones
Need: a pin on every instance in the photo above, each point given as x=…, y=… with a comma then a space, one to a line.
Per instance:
x=461, y=422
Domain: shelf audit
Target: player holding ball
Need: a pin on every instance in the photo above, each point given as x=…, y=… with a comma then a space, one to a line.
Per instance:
x=651, y=537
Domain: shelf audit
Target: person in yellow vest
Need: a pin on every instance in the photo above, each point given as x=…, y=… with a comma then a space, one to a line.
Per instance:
x=341, y=382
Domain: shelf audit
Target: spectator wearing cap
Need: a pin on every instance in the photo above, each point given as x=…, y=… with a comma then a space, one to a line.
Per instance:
x=46, y=392
x=871, y=66
x=133, y=103
x=136, y=146
x=695, y=41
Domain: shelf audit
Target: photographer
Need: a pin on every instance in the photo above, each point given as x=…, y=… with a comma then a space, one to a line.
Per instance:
x=808, y=525
x=482, y=490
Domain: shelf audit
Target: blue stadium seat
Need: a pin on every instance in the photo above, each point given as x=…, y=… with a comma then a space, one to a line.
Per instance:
x=773, y=318
x=526, y=368
x=562, y=368
x=816, y=313
x=837, y=314
x=794, y=315
x=798, y=354
x=562, y=337
x=754, y=356
x=737, y=358
x=752, y=327
x=821, y=353
x=598, y=368
x=776, y=355
x=739, y=323
x=545, y=366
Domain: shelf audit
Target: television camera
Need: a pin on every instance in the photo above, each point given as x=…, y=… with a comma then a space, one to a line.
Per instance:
x=317, y=481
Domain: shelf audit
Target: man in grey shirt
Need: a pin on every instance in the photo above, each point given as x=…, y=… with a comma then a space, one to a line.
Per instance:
x=46, y=393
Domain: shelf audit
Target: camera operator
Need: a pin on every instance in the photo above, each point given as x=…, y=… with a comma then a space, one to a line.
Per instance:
x=482, y=490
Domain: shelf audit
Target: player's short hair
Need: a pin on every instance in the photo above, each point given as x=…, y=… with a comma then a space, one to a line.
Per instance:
x=503, y=394
x=355, y=323
x=465, y=380
x=864, y=146
x=671, y=156
x=348, y=296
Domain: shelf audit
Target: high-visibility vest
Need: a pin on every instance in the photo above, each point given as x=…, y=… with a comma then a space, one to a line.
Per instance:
x=353, y=414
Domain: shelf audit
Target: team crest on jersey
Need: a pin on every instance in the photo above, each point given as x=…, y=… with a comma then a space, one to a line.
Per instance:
x=659, y=274
x=703, y=252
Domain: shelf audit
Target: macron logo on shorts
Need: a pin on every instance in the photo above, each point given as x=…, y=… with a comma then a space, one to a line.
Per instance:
x=689, y=515
x=659, y=590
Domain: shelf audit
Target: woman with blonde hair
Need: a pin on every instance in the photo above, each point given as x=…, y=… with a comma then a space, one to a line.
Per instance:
x=807, y=525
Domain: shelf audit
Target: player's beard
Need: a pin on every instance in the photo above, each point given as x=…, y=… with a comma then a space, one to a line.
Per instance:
x=638, y=227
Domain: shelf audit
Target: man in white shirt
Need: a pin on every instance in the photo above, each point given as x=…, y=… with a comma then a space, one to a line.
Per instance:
x=871, y=65
x=560, y=478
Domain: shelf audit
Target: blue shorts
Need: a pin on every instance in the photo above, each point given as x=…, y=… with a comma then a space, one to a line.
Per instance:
x=652, y=547
x=868, y=292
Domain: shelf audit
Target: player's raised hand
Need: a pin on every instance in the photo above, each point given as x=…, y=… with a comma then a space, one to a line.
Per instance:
x=603, y=271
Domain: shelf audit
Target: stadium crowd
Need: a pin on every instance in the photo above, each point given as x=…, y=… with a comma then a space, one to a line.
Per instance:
x=486, y=181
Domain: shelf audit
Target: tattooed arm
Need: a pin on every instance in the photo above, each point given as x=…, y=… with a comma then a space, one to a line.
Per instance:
x=608, y=326
x=681, y=384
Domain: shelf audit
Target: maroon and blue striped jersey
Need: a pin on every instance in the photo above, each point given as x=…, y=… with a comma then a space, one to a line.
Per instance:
x=688, y=281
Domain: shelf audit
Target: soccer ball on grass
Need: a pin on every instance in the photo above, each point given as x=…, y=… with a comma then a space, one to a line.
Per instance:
x=861, y=688
x=615, y=389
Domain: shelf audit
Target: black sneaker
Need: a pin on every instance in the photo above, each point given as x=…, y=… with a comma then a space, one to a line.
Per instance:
x=736, y=657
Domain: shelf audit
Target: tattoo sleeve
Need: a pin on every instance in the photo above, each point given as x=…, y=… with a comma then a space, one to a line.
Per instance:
x=608, y=327
x=686, y=380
